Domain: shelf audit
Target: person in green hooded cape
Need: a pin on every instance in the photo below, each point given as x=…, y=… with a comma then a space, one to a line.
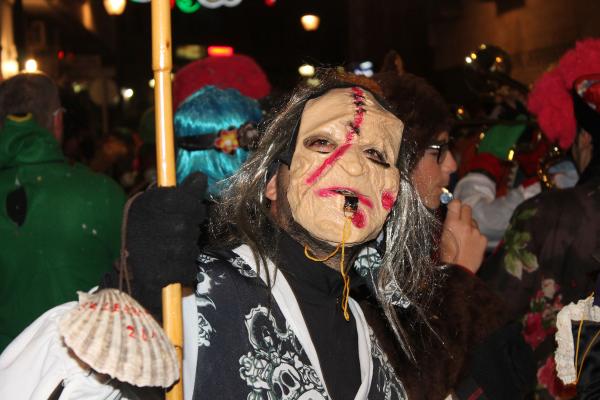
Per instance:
x=59, y=223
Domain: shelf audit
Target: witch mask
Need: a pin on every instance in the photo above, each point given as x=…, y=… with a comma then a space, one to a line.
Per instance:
x=343, y=169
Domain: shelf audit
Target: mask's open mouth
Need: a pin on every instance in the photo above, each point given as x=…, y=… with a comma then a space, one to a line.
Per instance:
x=350, y=205
x=350, y=201
x=346, y=192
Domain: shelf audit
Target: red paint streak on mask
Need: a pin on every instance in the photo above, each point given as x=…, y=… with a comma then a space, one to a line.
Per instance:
x=388, y=200
x=359, y=116
x=336, y=155
x=331, y=191
x=359, y=219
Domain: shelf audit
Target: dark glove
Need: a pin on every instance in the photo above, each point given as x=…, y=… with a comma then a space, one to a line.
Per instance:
x=163, y=228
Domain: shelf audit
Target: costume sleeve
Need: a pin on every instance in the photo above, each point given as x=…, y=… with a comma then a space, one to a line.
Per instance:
x=464, y=313
x=37, y=361
x=223, y=301
x=491, y=213
x=482, y=349
x=512, y=271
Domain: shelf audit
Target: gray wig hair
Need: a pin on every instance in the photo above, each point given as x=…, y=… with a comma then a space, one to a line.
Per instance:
x=243, y=216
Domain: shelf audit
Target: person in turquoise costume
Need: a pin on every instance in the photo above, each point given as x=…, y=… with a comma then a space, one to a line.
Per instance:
x=216, y=103
x=59, y=223
x=215, y=128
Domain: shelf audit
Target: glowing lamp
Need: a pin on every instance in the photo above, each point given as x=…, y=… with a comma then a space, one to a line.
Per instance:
x=306, y=70
x=151, y=83
x=220, y=51
x=115, y=7
x=187, y=6
x=270, y=3
x=366, y=65
x=31, y=65
x=10, y=68
x=364, y=68
x=219, y=3
x=511, y=155
x=77, y=87
x=127, y=93
x=468, y=60
x=310, y=22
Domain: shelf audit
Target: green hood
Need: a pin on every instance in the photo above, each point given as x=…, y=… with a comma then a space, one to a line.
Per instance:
x=25, y=142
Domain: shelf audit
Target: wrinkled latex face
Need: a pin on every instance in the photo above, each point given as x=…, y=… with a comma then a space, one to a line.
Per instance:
x=345, y=154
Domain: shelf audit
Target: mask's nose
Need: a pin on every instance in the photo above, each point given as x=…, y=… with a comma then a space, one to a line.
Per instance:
x=353, y=161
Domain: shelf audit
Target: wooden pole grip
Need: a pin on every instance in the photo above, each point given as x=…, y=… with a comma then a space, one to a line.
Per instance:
x=173, y=326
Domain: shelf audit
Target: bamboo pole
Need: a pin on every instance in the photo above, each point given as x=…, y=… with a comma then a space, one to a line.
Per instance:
x=173, y=325
x=165, y=165
x=162, y=65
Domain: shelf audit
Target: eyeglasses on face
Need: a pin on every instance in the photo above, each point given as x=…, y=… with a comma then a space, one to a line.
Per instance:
x=440, y=151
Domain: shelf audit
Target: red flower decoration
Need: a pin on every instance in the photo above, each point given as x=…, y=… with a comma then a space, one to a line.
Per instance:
x=534, y=332
x=227, y=141
x=547, y=377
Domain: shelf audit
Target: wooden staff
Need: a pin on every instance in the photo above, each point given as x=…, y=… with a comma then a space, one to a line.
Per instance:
x=173, y=325
x=161, y=65
x=165, y=165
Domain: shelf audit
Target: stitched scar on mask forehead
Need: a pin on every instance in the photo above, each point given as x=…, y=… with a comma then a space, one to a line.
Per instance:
x=358, y=99
x=359, y=112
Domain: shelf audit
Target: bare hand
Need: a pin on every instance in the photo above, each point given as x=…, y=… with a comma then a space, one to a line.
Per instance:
x=462, y=243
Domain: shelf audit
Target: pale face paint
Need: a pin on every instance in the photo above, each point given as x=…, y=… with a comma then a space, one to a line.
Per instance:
x=347, y=143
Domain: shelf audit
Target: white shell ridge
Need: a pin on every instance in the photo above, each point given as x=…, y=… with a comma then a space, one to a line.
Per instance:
x=115, y=335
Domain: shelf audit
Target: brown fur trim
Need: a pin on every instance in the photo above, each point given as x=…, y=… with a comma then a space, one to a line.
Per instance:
x=464, y=312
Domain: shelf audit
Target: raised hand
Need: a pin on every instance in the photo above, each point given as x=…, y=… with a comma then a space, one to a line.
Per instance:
x=462, y=243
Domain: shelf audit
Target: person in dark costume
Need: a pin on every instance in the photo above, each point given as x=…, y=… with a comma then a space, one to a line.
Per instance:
x=322, y=182
x=469, y=320
x=549, y=255
x=283, y=309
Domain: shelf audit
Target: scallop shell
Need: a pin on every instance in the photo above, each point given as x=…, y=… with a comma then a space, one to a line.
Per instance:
x=115, y=335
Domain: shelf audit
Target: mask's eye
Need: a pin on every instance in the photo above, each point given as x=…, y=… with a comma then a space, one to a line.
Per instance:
x=377, y=157
x=320, y=145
